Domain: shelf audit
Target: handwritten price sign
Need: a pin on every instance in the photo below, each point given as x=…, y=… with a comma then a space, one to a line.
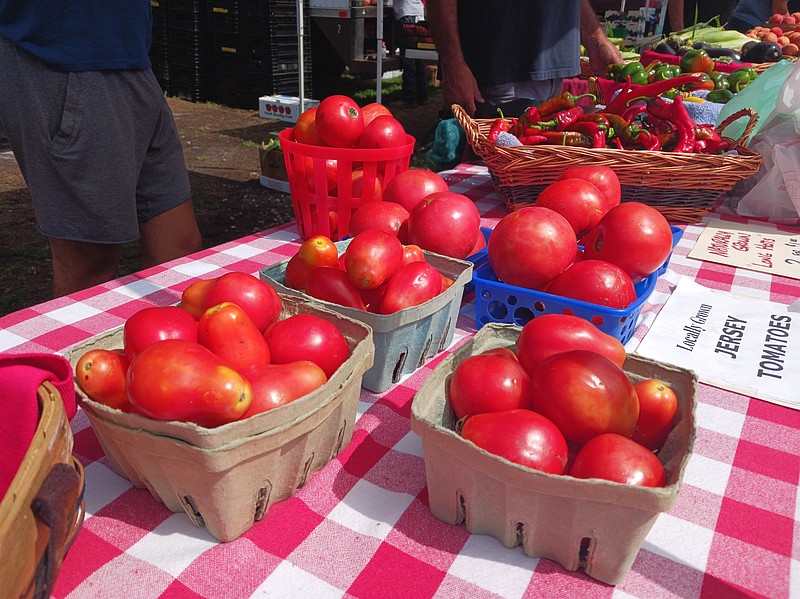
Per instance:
x=750, y=246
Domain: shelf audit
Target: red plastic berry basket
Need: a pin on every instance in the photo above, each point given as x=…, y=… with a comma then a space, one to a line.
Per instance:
x=328, y=184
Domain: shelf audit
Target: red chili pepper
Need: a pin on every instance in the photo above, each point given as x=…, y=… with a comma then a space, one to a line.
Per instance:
x=593, y=130
x=596, y=117
x=712, y=142
x=617, y=144
x=498, y=126
x=561, y=120
x=647, y=141
x=563, y=101
x=532, y=140
x=684, y=126
x=567, y=138
x=627, y=95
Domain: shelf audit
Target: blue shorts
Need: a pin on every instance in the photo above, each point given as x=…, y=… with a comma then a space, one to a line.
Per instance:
x=99, y=150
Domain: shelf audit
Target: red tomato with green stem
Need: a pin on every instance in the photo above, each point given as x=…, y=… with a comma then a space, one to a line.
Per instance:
x=658, y=404
x=492, y=381
x=585, y=394
x=339, y=121
x=520, y=436
x=613, y=457
x=595, y=281
x=307, y=337
x=577, y=200
x=634, y=236
x=412, y=186
x=229, y=332
x=101, y=374
x=157, y=323
x=181, y=380
x=275, y=385
x=603, y=178
x=413, y=284
x=372, y=258
x=551, y=334
x=331, y=284
x=446, y=223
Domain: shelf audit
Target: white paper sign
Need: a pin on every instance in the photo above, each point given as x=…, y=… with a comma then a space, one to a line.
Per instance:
x=731, y=341
x=750, y=246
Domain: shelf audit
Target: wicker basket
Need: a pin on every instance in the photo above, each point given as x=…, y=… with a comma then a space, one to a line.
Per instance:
x=683, y=187
x=42, y=511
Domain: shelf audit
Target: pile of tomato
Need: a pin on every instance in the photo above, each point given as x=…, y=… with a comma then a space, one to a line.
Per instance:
x=560, y=402
x=579, y=241
x=222, y=355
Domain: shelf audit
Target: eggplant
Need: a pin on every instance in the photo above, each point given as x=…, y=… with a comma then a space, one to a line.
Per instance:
x=746, y=47
x=724, y=52
x=664, y=48
x=763, y=52
x=701, y=46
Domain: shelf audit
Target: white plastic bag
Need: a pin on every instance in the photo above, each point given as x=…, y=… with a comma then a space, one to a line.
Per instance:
x=774, y=191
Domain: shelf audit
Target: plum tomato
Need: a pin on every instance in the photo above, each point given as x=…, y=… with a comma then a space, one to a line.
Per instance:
x=520, y=436
x=595, y=281
x=602, y=177
x=372, y=258
x=230, y=333
x=181, y=380
x=339, y=121
x=551, y=334
x=101, y=373
x=413, y=284
x=634, y=236
x=156, y=323
x=531, y=246
x=412, y=186
x=307, y=337
x=658, y=404
x=577, y=200
x=275, y=385
x=616, y=458
x=383, y=131
x=585, y=394
x=492, y=381
x=331, y=284
x=446, y=223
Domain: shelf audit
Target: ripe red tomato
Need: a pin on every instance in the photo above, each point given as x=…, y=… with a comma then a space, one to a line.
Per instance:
x=385, y=216
x=364, y=190
x=319, y=174
x=260, y=301
x=193, y=298
x=595, y=281
x=413, y=284
x=307, y=337
x=318, y=251
x=372, y=298
x=520, y=436
x=634, y=236
x=331, y=284
x=229, y=332
x=373, y=109
x=339, y=121
x=305, y=129
x=585, y=394
x=551, y=334
x=480, y=243
x=275, y=385
x=577, y=200
x=372, y=258
x=182, y=380
x=602, y=177
x=100, y=373
x=446, y=223
x=657, y=406
x=531, y=246
x=492, y=381
x=383, y=131
x=616, y=458
x=410, y=187
x=412, y=253
x=149, y=325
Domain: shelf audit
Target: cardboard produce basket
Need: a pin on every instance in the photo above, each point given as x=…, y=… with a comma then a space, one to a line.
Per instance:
x=405, y=340
x=226, y=478
x=42, y=511
x=592, y=524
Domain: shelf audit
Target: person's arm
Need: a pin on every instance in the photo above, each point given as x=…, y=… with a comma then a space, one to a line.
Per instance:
x=458, y=83
x=600, y=51
x=675, y=12
x=779, y=7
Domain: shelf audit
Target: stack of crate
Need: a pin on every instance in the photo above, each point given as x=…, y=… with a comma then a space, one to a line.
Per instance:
x=256, y=50
x=190, y=51
x=159, y=54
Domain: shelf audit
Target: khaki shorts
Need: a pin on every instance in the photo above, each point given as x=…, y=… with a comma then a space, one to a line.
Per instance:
x=99, y=150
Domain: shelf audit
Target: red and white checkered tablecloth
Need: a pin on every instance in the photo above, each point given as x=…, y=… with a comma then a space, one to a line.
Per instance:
x=361, y=527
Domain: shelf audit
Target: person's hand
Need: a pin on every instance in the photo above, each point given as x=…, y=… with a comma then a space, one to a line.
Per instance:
x=460, y=87
x=780, y=7
x=602, y=54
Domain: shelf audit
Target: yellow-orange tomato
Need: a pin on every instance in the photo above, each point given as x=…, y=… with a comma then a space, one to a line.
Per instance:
x=100, y=374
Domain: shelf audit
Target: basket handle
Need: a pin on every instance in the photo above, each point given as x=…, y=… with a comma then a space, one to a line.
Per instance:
x=751, y=124
x=475, y=138
x=59, y=510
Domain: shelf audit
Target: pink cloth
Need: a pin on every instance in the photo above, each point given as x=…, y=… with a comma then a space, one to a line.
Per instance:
x=20, y=377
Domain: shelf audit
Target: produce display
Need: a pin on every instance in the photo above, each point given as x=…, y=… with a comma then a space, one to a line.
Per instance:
x=222, y=355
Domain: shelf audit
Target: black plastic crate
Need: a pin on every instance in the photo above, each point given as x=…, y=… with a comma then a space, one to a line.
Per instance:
x=191, y=49
x=223, y=16
x=185, y=20
x=192, y=84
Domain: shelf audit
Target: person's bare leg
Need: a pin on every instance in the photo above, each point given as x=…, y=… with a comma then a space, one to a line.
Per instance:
x=170, y=235
x=78, y=264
